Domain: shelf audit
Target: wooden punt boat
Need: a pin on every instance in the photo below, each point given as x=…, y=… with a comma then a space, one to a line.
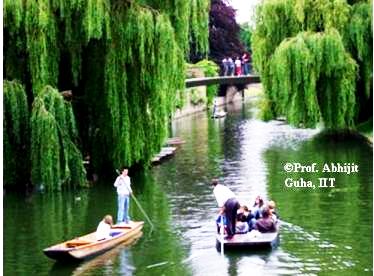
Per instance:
x=250, y=240
x=219, y=114
x=87, y=246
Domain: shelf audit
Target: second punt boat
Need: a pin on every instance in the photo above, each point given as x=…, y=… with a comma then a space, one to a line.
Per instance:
x=87, y=246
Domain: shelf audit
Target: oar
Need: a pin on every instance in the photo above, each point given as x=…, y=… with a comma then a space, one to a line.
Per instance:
x=222, y=233
x=140, y=207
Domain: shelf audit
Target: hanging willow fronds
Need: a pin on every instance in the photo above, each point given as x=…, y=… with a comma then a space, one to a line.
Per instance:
x=13, y=14
x=318, y=15
x=210, y=69
x=310, y=76
x=96, y=18
x=359, y=38
x=137, y=49
x=41, y=37
x=275, y=20
x=314, y=79
x=56, y=160
x=16, y=132
x=144, y=69
x=189, y=19
x=199, y=23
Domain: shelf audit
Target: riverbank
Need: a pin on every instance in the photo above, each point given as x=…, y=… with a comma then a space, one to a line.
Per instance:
x=366, y=129
x=195, y=99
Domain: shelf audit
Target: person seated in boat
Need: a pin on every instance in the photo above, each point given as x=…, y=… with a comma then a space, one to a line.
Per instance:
x=219, y=223
x=242, y=225
x=249, y=217
x=273, y=213
x=257, y=207
x=103, y=231
x=265, y=224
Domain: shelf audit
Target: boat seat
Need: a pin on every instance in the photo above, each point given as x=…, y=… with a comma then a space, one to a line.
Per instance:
x=75, y=243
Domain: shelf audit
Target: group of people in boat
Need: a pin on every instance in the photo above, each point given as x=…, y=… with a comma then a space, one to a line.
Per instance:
x=239, y=219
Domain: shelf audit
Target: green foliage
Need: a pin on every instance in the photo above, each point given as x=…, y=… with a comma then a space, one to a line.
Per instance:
x=189, y=19
x=246, y=36
x=300, y=50
x=13, y=14
x=210, y=69
x=96, y=18
x=359, y=42
x=318, y=15
x=138, y=50
x=199, y=23
x=144, y=69
x=314, y=78
x=195, y=98
x=275, y=21
x=41, y=29
x=16, y=132
x=56, y=160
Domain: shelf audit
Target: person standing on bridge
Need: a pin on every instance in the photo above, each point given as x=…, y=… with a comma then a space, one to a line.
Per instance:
x=231, y=67
x=238, y=66
x=228, y=204
x=225, y=65
x=123, y=185
x=245, y=60
x=249, y=62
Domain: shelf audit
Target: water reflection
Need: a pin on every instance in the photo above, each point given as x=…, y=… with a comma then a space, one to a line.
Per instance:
x=324, y=231
x=319, y=233
x=336, y=222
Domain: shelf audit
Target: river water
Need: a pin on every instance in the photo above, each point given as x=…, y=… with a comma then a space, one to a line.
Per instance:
x=325, y=231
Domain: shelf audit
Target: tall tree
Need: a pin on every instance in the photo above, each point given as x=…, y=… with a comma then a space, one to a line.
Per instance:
x=314, y=58
x=246, y=36
x=223, y=33
x=123, y=62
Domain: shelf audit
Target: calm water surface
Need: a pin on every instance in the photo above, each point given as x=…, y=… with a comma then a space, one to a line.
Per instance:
x=324, y=231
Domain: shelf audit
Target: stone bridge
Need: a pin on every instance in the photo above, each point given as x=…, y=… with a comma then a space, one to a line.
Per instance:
x=226, y=80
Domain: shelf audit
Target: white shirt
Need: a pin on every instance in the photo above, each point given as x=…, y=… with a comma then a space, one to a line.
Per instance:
x=123, y=185
x=222, y=194
x=103, y=231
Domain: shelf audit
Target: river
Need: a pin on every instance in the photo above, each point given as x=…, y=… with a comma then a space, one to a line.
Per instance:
x=324, y=231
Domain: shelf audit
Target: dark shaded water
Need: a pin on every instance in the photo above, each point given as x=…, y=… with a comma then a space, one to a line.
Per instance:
x=324, y=231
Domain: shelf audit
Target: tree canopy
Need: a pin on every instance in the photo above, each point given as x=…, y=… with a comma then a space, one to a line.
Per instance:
x=223, y=33
x=245, y=36
x=314, y=59
x=123, y=63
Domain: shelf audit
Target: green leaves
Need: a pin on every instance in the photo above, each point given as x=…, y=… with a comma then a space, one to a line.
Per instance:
x=300, y=49
x=16, y=132
x=210, y=69
x=314, y=79
x=138, y=50
x=55, y=158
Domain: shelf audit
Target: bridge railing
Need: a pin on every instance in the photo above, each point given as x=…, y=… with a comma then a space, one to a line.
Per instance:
x=230, y=80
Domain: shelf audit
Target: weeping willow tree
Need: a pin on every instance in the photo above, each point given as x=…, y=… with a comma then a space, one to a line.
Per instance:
x=16, y=133
x=313, y=78
x=311, y=68
x=123, y=62
x=210, y=69
x=56, y=160
x=358, y=39
x=189, y=19
x=144, y=69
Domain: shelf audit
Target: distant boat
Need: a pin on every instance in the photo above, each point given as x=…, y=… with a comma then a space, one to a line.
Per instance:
x=250, y=240
x=87, y=246
x=219, y=114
